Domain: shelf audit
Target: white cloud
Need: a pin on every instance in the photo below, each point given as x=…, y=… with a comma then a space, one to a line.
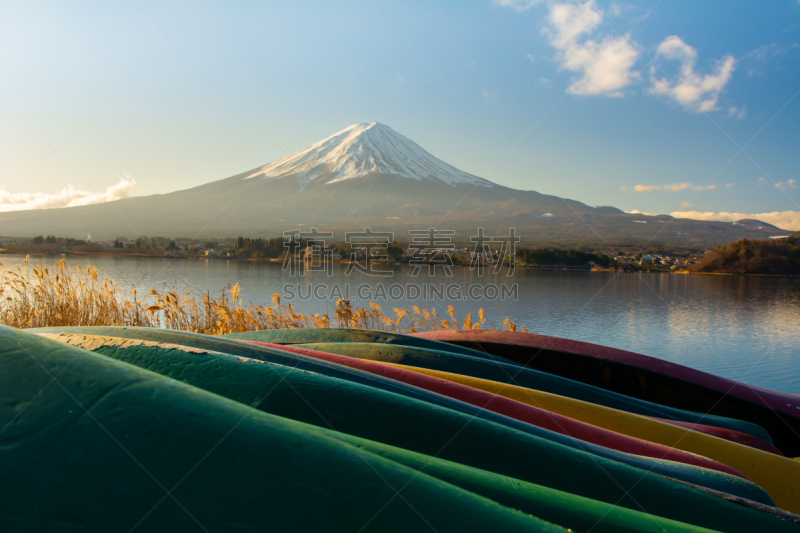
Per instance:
x=789, y=220
x=532, y=58
x=605, y=67
x=758, y=60
x=784, y=185
x=400, y=78
x=519, y=5
x=686, y=205
x=692, y=91
x=740, y=112
x=547, y=82
x=762, y=180
x=670, y=187
x=487, y=94
x=637, y=212
x=68, y=197
x=729, y=185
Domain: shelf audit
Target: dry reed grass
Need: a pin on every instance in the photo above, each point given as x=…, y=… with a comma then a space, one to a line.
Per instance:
x=40, y=297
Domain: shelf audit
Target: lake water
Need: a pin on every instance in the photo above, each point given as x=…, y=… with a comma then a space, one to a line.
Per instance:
x=744, y=328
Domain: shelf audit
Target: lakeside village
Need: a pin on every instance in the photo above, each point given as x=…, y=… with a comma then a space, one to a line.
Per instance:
x=259, y=249
x=762, y=257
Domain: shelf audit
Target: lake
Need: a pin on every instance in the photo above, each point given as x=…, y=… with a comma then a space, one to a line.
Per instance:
x=742, y=327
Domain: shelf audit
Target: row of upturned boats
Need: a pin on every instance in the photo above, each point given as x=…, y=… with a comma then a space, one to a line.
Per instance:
x=126, y=429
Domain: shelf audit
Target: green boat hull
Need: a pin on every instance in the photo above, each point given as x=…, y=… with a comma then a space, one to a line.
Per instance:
x=93, y=444
x=308, y=335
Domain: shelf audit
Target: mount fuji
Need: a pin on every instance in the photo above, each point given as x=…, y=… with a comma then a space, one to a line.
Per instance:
x=360, y=150
x=366, y=175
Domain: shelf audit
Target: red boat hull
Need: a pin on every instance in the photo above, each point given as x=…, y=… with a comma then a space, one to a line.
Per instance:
x=642, y=377
x=517, y=410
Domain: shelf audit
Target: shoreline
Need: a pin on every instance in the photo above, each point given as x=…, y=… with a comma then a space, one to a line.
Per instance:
x=346, y=262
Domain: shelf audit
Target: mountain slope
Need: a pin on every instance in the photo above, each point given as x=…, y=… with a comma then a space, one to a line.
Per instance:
x=368, y=175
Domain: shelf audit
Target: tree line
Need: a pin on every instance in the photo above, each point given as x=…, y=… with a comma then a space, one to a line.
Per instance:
x=52, y=239
x=258, y=247
x=775, y=256
x=544, y=256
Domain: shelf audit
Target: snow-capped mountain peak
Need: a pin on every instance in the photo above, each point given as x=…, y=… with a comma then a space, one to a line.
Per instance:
x=363, y=149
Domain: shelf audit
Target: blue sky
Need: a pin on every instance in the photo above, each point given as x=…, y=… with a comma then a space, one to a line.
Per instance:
x=640, y=105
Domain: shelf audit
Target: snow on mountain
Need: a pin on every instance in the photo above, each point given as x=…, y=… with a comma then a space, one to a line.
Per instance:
x=363, y=149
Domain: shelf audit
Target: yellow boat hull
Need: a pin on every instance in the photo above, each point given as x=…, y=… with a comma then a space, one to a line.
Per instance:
x=779, y=476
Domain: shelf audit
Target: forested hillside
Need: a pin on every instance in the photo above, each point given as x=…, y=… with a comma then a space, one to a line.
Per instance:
x=780, y=256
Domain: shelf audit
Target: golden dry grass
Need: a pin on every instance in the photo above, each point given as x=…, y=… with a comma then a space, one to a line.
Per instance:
x=37, y=296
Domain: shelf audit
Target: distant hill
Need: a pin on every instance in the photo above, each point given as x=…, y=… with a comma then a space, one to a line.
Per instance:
x=755, y=224
x=368, y=175
x=775, y=256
